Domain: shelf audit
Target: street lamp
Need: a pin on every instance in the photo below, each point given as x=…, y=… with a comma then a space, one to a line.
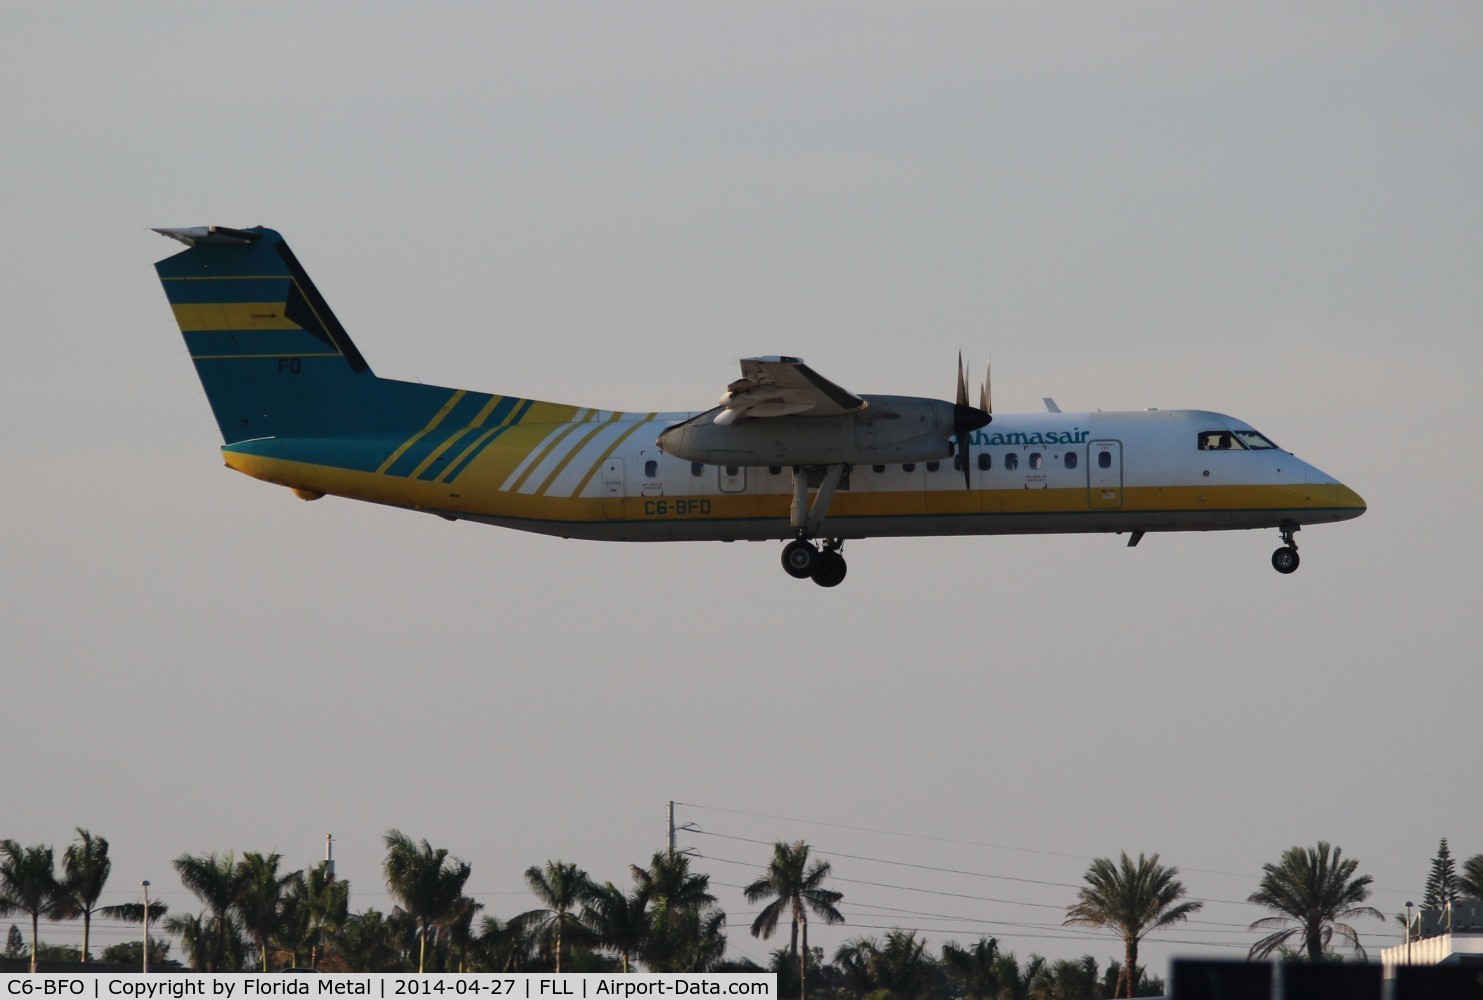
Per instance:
x=1409, y=904
x=146, y=885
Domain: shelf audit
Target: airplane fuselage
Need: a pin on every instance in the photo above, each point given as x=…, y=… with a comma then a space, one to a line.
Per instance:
x=602, y=475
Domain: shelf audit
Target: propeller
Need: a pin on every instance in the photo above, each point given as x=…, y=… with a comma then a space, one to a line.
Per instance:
x=967, y=419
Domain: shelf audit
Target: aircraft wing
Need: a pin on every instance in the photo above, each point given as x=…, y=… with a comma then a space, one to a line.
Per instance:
x=780, y=387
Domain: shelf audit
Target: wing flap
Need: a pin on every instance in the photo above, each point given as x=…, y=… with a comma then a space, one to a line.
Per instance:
x=783, y=386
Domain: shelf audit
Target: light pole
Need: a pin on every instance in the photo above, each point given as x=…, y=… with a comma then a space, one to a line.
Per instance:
x=145, y=884
x=1409, y=904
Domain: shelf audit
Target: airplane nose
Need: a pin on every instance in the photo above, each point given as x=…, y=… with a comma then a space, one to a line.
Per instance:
x=1349, y=498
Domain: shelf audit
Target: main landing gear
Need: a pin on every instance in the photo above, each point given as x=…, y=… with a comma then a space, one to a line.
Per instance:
x=825, y=566
x=1285, y=559
x=801, y=559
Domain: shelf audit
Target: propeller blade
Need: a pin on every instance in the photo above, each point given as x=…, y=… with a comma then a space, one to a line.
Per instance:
x=966, y=420
x=985, y=400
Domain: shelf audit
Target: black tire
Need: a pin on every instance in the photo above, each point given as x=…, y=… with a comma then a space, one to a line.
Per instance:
x=830, y=570
x=800, y=559
x=1285, y=560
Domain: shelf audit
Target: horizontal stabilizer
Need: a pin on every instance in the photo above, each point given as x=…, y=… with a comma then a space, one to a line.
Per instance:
x=220, y=235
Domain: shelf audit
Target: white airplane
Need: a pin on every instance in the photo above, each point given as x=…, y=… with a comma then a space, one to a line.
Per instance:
x=786, y=454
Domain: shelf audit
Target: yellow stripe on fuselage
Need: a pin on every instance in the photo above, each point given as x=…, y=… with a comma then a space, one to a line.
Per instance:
x=609, y=453
x=573, y=452
x=431, y=426
x=473, y=425
x=545, y=452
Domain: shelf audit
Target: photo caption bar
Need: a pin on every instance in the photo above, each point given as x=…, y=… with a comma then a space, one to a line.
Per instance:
x=383, y=985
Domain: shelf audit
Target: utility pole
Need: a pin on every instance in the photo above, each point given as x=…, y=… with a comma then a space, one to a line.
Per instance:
x=145, y=884
x=686, y=827
x=329, y=856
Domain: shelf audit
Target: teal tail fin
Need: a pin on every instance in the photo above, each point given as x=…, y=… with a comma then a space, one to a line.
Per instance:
x=274, y=360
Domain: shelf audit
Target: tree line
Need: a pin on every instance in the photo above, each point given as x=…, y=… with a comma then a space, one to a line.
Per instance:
x=255, y=916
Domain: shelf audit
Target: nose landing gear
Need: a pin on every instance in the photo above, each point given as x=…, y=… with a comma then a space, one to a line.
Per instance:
x=1285, y=559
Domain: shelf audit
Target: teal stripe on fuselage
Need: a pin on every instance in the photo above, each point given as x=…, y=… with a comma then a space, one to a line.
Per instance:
x=467, y=436
x=463, y=411
x=456, y=471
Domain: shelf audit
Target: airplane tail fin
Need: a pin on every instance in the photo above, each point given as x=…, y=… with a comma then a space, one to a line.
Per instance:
x=272, y=357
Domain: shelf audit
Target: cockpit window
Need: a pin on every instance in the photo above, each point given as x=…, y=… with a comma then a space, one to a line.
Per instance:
x=1236, y=440
x=1220, y=441
x=1255, y=441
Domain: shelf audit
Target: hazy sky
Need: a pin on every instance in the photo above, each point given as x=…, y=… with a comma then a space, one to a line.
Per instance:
x=1269, y=212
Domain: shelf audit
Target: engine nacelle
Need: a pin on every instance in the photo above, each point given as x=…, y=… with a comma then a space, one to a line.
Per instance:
x=889, y=430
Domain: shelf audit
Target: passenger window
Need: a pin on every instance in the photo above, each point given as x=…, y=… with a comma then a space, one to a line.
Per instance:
x=651, y=468
x=1036, y=460
x=877, y=468
x=731, y=470
x=1070, y=459
x=933, y=466
x=1011, y=461
x=695, y=468
x=1104, y=460
x=909, y=467
x=984, y=461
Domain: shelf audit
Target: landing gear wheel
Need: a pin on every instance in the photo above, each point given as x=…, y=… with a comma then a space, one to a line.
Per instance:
x=1285, y=559
x=800, y=559
x=830, y=569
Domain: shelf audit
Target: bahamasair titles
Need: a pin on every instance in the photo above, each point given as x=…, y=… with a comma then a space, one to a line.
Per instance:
x=785, y=454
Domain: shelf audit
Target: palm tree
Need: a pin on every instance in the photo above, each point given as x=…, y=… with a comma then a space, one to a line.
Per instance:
x=461, y=937
x=214, y=880
x=28, y=884
x=562, y=887
x=901, y=965
x=673, y=894
x=1130, y=899
x=795, y=886
x=1471, y=879
x=427, y=883
x=1016, y=981
x=504, y=946
x=852, y=959
x=1067, y=980
x=617, y=921
x=258, y=898
x=85, y=870
x=1314, y=890
x=321, y=905
x=701, y=940
x=975, y=969
x=369, y=943
x=191, y=930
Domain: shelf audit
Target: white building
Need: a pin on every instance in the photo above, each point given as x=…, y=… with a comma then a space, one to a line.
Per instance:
x=1453, y=936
